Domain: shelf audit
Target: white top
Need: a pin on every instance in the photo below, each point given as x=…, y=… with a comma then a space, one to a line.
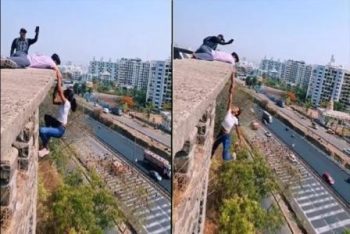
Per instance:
x=229, y=121
x=63, y=112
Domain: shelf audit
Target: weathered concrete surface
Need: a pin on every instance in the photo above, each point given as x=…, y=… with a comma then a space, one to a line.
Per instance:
x=196, y=85
x=22, y=91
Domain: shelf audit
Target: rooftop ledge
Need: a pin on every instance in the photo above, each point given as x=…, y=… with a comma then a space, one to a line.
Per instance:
x=22, y=91
x=196, y=84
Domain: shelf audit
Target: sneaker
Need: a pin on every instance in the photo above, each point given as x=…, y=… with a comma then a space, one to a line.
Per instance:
x=42, y=153
x=8, y=63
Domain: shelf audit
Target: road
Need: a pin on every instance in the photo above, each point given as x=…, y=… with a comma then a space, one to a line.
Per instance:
x=336, y=141
x=314, y=157
x=127, y=148
x=319, y=206
x=155, y=134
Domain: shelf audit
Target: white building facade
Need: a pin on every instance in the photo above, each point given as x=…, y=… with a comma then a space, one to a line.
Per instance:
x=329, y=82
x=159, y=85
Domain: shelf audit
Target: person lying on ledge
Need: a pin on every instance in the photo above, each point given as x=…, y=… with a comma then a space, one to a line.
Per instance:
x=230, y=121
x=223, y=56
x=22, y=60
x=205, y=51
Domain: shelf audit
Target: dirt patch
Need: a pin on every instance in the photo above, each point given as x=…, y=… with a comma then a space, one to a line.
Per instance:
x=49, y=175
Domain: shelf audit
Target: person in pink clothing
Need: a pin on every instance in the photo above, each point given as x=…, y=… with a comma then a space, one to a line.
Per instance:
x=225, y=57
x=33, y=61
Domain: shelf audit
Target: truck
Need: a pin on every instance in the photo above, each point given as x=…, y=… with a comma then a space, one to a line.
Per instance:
x=157, y=162
x=267, y=117
x=280, y=103
x=117, y=111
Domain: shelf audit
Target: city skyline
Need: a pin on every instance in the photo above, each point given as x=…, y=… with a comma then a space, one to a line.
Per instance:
x=78, y=41
x=278, y=29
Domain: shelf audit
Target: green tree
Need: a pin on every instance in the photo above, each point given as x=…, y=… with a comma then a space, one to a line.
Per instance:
x=167, y=106
x=148, y=109
x=338, y=106
x=140, y=97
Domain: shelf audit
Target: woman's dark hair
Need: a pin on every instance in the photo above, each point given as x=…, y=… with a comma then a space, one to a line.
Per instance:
x=69, y=94
x=239, y=111
x=56, y=59
x=235, y=56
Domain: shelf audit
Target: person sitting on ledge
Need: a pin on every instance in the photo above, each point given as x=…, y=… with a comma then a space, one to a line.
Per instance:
x=55, y=127
x=230, y=121
x=205, y=51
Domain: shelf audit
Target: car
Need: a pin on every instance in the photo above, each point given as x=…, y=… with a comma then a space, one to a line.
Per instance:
x=287, y=129
x=268, y=134
x=347, y=150
x=348, y=180
x=330, y=131
x=328, y=178
x=292, y=158
x=155, y=175
x=106, y=110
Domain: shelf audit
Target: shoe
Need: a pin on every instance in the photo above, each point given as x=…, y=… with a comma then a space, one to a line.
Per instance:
x=8, y=63
x=42, y=153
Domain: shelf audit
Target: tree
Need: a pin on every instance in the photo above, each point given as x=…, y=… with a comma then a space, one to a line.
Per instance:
x=148, y=109
x=167, y=106
x=128, y=100
x=307, y=104
x=76, y=88
x=338, y=106
x=140, y=97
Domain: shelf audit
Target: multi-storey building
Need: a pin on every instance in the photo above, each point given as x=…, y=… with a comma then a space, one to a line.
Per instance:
x=306, y=78
x=345, y=91
x=294, y=72
x=143, y=77
x=128, y=72
x=329, y=82
x=271, y=68
x=96, y=68
x=159, y=85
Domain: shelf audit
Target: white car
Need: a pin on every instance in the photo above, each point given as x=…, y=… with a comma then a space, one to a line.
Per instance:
x=292, y=158
x=106, y=110
x=347, y=150
x=268, y=134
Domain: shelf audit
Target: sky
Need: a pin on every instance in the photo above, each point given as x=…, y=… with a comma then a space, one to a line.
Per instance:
x=309, y=30
x=81, y=29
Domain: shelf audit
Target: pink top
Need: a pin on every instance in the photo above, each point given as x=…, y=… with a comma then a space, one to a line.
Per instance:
x=41, y=61
x=223, y=57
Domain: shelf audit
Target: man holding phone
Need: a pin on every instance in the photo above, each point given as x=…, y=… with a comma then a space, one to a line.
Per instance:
x=21, y=44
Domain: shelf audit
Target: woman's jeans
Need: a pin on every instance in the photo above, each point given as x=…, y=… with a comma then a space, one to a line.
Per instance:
x=225, y=139
x=53, y=128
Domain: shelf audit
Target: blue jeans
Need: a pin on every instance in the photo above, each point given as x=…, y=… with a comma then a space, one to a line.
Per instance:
x=53, y=129
x=225, y=139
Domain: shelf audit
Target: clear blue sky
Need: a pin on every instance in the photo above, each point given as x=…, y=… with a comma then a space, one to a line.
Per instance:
x=80, y=29
x=309, y=30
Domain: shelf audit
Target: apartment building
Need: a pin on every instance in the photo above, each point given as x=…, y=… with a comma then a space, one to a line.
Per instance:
x=294, y=72
x=96, y=68
x=272, y=68
x=328, y=82
x=159, y=85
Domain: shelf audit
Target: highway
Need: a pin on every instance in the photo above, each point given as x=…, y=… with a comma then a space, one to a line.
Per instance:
x=124, y=146
x=314, y=157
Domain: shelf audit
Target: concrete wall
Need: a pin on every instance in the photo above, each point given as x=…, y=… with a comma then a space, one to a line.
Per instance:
x=22, y=91
x=196, y=86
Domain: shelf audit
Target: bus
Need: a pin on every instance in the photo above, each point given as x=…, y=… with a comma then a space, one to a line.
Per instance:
x=157, y=162
x=267, y=117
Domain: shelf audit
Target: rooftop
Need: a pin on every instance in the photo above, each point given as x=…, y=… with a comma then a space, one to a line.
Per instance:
x=22, y=91
x=196, y=84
